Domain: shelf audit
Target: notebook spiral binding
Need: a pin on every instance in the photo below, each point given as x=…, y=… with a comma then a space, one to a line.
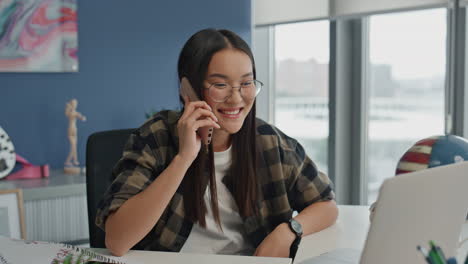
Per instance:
x=91, y=254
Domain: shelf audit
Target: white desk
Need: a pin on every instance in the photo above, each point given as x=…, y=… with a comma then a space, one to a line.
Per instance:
x=350, y=231
x=150, y=257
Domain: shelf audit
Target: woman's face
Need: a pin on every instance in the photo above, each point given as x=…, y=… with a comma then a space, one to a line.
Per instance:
x=233, y=67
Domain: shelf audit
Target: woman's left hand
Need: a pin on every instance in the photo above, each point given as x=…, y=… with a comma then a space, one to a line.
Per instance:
x=277, y=243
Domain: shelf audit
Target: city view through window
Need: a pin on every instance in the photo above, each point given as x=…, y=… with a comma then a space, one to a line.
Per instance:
x=301, y=98
x=406, y=82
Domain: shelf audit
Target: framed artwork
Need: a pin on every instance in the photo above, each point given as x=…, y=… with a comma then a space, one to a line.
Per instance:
x=12, y=214
x=38, y=36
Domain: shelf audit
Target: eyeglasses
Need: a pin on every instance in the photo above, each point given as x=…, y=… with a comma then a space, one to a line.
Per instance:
x=221, y=91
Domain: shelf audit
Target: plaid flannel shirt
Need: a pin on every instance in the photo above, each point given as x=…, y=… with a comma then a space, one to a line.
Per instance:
x=288, y=181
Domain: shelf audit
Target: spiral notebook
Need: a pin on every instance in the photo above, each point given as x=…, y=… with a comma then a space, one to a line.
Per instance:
x=16, y=251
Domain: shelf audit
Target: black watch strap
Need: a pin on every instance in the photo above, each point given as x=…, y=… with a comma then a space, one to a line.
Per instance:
x=294, y=247
x=296, y=228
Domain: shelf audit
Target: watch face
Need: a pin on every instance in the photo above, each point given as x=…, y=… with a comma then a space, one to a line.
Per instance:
x=7, y=154
x=296, y=226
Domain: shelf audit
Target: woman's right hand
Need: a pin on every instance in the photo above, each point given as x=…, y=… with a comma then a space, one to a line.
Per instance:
x=196, y=114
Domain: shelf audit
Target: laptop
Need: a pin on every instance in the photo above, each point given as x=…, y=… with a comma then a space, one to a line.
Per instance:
x=411, y=210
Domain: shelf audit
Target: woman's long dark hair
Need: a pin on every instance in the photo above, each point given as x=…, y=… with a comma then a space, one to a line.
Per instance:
x=241, y=176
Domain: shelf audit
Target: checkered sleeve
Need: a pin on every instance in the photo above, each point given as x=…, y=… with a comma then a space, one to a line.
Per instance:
x=137, y=168
x=307, y=184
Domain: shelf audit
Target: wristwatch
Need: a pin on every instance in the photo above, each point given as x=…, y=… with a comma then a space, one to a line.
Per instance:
x=296, y=228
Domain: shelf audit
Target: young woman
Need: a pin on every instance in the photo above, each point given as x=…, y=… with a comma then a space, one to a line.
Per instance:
x=235, y=196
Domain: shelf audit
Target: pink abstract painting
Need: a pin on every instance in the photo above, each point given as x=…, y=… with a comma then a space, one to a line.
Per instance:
x=38, y=36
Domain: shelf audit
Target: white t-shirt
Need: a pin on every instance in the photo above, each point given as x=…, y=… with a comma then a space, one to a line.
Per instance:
x=232, y=240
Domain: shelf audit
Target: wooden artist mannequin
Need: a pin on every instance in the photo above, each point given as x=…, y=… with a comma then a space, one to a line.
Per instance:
x=71, y=164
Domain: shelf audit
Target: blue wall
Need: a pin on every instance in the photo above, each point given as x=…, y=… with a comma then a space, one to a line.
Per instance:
x=127, y=57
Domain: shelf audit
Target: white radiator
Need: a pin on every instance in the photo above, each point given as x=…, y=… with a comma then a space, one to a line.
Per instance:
x=60, y=219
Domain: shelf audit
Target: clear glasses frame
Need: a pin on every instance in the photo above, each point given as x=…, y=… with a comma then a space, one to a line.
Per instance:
x=221, y=91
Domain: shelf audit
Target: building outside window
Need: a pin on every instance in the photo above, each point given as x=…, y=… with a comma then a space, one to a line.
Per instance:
x=407, y=82
x=301, y=81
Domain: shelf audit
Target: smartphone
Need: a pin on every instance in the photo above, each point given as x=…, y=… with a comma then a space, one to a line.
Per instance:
x=186, y=89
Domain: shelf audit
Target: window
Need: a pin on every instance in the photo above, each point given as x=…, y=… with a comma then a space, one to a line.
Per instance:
x=301, y=81
x=407, y=80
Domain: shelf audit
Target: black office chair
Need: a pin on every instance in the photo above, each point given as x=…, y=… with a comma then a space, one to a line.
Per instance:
x=103, y=150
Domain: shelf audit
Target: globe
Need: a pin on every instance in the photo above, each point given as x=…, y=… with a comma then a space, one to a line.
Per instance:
x=432, y=152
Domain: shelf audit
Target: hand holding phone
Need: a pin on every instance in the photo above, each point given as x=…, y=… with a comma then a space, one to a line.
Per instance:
x=186, y=89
